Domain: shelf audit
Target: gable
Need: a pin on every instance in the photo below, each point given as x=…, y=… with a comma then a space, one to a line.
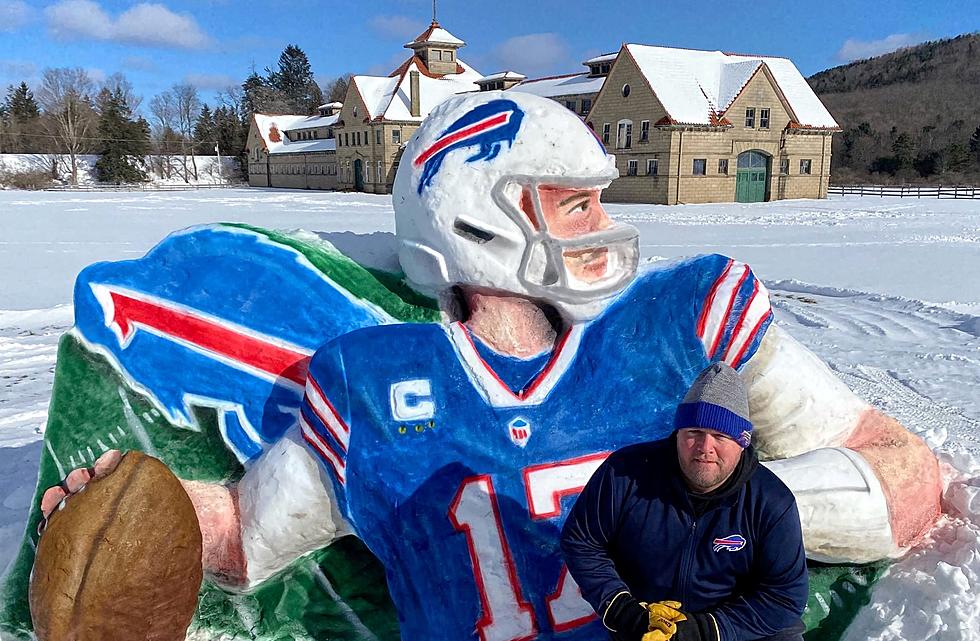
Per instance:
x=641, y=104
x=759, y=93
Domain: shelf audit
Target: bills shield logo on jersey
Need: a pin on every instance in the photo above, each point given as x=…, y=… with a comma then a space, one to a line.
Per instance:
x=519, y=430
x=732, y=543
x=488, y=127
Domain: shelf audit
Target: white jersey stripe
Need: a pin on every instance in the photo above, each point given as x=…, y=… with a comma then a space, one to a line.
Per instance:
x=721, y=306
x=755, y=312
x=321, y=407
x=321, y=446
x=489, y=385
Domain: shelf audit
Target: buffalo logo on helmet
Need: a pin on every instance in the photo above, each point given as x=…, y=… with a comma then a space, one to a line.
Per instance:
x=487, y=126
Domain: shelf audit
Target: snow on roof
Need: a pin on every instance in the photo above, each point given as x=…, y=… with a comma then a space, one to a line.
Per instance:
x=569, y=85
x=606, y=57
x=502, y=75
x=329, y=105
x=391, y=97
x=697, y=87
x=435, y=34
x=273, y=128
x=376, y=92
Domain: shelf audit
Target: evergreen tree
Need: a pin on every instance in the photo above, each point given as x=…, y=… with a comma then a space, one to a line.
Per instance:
x=21, y=121
x=21, y=103
x=293, y=80
x=975, y=144
x=904, y=150
x=205, y=132
x=124, y=140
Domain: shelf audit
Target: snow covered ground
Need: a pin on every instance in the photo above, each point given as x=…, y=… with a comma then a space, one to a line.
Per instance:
x=885, y=290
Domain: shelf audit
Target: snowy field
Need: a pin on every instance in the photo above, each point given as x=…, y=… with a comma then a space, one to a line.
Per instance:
x=885, y=290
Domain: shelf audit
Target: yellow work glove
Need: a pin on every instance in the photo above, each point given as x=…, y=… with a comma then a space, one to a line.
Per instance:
x=664, y=617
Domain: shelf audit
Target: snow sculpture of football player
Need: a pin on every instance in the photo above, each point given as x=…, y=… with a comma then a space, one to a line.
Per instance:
x=454, y=450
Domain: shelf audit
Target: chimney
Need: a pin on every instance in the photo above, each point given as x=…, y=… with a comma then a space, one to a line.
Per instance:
x=413, y=81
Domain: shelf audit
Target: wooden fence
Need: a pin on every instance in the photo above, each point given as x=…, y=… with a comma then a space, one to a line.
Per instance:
x=907, y=191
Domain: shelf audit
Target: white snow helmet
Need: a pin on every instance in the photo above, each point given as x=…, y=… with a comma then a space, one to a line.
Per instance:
x=457, y=199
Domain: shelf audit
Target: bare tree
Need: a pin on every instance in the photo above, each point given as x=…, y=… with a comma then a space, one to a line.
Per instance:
x=66, y=98
x=188, y=106
x=117, y=82
x=163, y=110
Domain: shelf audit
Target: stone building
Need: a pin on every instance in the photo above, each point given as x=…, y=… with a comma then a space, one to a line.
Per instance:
x=293, y=151
x=692, y=126
x=381, y=113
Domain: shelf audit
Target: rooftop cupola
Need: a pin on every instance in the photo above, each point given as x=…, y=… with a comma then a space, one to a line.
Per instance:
x=437, y=49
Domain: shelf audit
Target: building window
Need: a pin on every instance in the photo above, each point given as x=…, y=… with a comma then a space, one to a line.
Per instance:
x=723, y=166
x=586, y=106
x=630, y=167
x=316, y=134
x=626, y=91
x=396, y=136
x=652, y=166
x=805, y=165
x=367, y=137
x=784, y=166
x=750, y=118
x=346, y=139
x=644, y=131
x=368, y=173
x=700, y=167
x=570, y=104
x=763, y=119
x=624, y=134
x=380, y=173
x=377, y=136
x=605, y=133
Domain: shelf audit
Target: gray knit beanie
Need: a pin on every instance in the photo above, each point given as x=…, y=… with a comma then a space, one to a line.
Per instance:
x=719, y=401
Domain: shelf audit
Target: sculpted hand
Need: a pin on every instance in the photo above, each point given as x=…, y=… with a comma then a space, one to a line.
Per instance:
x=75, y=481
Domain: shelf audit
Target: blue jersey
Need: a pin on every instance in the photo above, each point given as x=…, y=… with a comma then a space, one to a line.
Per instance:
x=460, y=484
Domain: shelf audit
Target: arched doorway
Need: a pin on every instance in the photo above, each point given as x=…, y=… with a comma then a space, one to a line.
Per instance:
x=752, y=178
x=358, y=175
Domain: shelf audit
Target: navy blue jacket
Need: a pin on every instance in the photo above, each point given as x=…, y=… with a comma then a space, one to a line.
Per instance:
x=634, y=528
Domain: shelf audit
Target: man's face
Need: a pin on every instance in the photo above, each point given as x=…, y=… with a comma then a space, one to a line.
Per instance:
x=570, y=213
x=707, y=458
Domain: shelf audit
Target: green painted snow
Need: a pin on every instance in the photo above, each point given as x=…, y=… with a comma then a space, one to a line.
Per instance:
x=386, y=290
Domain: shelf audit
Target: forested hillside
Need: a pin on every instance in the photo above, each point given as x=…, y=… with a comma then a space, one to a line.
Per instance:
x=907, y=116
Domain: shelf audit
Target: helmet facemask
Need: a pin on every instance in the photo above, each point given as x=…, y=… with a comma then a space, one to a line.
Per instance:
x=574, y=270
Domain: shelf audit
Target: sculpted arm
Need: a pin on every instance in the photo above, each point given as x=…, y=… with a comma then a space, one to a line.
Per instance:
x=283, y=507
x=866, y=487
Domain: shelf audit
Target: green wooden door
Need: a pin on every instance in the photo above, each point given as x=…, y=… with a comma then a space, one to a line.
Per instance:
x=752, y=178
x=358, y=175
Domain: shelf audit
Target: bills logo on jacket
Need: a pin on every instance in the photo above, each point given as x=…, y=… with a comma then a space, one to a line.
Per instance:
x=488, y=127
x=731, y=543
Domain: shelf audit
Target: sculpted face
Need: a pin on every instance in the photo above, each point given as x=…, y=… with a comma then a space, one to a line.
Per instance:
x=707, y=458
x=569, y=213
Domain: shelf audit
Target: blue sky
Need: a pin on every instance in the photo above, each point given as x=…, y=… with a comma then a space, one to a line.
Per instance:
x=213, y=43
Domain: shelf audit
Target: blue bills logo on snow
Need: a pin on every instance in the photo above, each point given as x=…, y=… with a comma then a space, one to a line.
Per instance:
x=487, y=126
x=732, y=543
x=196, y=324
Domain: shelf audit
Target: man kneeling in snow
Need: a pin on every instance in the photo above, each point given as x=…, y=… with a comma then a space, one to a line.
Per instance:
x=693, y=526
